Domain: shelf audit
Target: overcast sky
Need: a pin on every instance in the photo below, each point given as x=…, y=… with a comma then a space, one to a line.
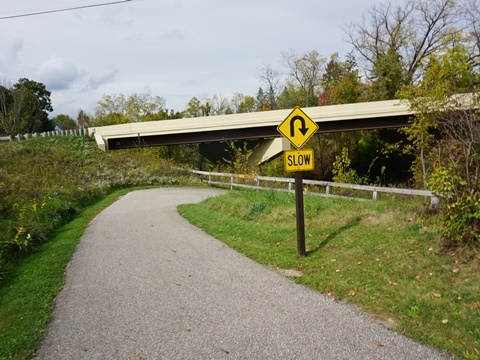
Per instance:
x=176, y=49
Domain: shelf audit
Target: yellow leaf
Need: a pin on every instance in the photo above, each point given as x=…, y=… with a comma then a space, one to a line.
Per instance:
x=437, y=295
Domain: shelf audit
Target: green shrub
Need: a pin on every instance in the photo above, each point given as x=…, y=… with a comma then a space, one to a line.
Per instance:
x=459, y=221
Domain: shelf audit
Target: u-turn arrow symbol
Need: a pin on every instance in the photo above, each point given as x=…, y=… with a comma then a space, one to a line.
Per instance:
x=303, y=129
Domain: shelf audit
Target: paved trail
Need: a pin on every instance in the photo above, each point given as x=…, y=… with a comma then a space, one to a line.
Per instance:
x=145, y=284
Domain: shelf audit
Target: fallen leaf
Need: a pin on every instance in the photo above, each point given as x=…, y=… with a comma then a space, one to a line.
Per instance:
x=377, y=343
x=352, y=292
x=359, y=263
x=452, y=280
x=437, y=295
x=445, y=321
x=337, y=271
x=223, y=350
x=333, y=260
x=430, y=249
x=393, y=283
x=459, y=298
x=456, y=271
x=476, y=306
x=416, y=242
x=418, y=277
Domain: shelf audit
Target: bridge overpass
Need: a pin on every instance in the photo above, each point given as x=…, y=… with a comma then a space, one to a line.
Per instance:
x=259, y=126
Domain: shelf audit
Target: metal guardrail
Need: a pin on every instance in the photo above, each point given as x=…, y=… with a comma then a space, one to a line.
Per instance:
x=78, y=132
x=258, y=183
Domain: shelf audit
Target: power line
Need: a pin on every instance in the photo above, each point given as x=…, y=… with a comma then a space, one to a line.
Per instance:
x=61, y=10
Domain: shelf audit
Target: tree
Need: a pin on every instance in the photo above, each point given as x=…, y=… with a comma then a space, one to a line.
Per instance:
x=216, y=105
x=83, y=119
x=36, y=106
x=473, y=29
x=340, y=82
x=194, y=108
x=25, y=107
x=448, y=72
x=403, y=36
x=456, y=148
x=270, y=78
x=11, y=103
x=292, y=96
x=240, y=103
x=261, y=101
x=457, y=181
x=64, y=122
x=305, y=73
x=121, y=109
x=387, y=76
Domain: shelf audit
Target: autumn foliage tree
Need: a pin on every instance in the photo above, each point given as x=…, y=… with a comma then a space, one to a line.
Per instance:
x=394, y=40
x=122, y=109
x=446, y=132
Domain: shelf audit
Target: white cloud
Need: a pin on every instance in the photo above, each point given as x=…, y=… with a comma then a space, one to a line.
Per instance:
x=177, y=48
x=9, y=55
x=58, y=74
x=173, y=35
x=96, y=81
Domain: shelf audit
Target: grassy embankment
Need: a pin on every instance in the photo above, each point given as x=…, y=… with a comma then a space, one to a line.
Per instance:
x=376, y=255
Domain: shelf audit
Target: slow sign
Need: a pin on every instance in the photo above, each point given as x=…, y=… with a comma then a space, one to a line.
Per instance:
x=299, y=160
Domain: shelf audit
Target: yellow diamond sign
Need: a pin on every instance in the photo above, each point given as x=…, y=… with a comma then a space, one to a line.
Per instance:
x=298, y=128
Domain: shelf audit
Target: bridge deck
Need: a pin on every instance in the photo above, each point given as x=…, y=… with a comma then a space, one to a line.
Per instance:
x=334, y=118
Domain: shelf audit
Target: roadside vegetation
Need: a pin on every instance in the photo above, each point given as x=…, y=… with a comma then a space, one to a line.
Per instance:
x=382, y=256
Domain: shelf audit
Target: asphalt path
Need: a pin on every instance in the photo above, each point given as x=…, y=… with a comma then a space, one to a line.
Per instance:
x=146, y=284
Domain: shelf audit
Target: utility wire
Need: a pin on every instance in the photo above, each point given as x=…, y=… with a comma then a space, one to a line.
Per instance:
x=60, y=10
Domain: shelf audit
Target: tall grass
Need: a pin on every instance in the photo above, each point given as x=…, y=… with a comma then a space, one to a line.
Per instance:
x=44, y=182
